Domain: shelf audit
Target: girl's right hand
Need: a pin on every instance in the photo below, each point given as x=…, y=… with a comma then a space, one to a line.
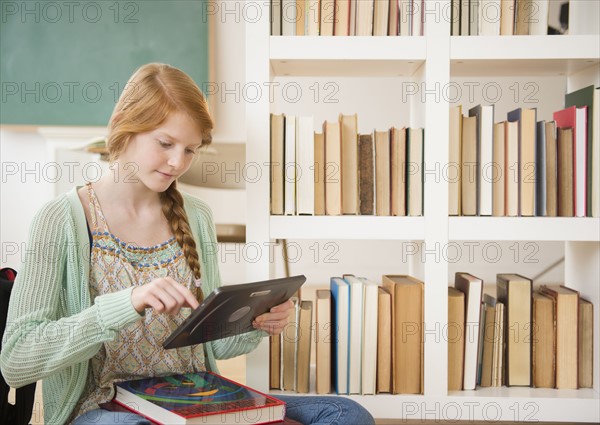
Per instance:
x=164, y=295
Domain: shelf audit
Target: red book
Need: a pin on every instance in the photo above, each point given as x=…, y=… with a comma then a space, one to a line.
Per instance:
x=576, y=118
x=198, y=398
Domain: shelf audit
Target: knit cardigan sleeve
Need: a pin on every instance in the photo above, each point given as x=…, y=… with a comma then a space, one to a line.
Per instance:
x=47, y=330
x=205, y=234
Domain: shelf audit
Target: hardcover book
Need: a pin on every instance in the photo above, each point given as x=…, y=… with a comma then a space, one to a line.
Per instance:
x=198, y=398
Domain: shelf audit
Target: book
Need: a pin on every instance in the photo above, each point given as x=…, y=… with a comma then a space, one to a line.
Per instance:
x=455, y=17
x=586, y=344
x=366, y=176
x=405, y=17
x=276, y=162
x=398, y=168
x=333, y=163
x=349, y=140
x=484, y=123
x=323, y=341
x=355, y=333
x=498, y=360
x=575, y=118
x=538, y=21
x=415, y=173
x=512, y=169
x=381, y=17
x=319, y=143
x=340, y=294
x=499, y=167
x=393, y=18
x=305, y=309
x=489, y=17
x=364, y=17
x=472, y=287
x=542, y=337
x=384, y=341
x=523, y=12
x=407, y=333
x=276, y=17
x=540, y=169
x=526, y=119
x=469, y=166
x=489, y=337
x=313, y=12
x=454, y=161
x=507, y=17
x=275, y=362
x=290, y=338
x=288, y=17
x=417, y=12
x=382, y=173
x=585, y=98
x=551, y=170
x=595, y=182
x=341, y=24
x=456, y=338
x=300, y=17
x=290, y=166
x=564, y=142
x=198, y=398
x=514, y=291
x=327, y=17
x=369, y=337
x=566, y=319
x=305, y=171
x=473, y=17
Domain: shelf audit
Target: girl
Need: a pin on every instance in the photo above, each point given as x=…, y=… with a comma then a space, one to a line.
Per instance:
x=120, y=262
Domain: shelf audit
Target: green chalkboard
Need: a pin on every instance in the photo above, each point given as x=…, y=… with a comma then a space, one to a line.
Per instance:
x=65, y=63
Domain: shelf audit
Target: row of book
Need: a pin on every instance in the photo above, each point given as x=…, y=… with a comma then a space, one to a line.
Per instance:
x=347, y=17
x=522, y=337
x=523, y=166
x=339, y=171
x=368, y=339
x=505, y=17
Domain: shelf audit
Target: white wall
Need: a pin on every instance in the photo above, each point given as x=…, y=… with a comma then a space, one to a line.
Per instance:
x=21, y=195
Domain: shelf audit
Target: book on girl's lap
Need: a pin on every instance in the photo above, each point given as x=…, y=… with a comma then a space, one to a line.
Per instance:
x=198, y=398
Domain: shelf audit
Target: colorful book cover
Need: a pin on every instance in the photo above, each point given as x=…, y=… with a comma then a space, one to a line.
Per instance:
x=194, y=395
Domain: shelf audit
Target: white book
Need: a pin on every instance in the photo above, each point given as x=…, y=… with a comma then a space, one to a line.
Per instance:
x=405, y=16
x=473, y=17
x=417, y=17
x=355, y=334
x=289, y=171
x=364, y=17
x=305, y=158
x=472, y=287
x=369, y=342
x=489, y=17
x=580, y=161
x=288, y=17
x=538, y=22
x=486, y=159
x=340, y=292
x=596, y=155
x=380, y=18
x=312, y=17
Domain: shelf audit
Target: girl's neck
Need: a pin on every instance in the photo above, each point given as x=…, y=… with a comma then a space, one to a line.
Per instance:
x=129, y=194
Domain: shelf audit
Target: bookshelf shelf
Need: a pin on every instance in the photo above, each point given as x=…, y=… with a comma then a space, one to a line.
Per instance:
x=523, y=56
x=524, y=228
x=346, y=56
x=433, y=61
x=347, y=227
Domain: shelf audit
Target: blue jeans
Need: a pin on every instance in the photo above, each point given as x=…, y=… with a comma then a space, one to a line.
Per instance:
x=308, y=410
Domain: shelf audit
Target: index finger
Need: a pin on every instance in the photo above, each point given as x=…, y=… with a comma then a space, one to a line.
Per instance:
x=190, y=299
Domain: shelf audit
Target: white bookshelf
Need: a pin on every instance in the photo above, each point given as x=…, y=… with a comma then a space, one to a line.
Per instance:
x=433, y=60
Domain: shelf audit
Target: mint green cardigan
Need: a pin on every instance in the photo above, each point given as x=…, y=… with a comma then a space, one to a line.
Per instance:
x=54, y=328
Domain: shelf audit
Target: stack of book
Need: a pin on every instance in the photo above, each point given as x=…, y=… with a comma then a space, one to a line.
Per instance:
x=347, y=17
x=504, y=17
x=525, y=167
x=521, y=337
x=368, y=337
x=340, y=171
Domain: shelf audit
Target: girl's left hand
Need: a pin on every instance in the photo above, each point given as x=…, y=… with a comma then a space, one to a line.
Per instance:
x=275, y=320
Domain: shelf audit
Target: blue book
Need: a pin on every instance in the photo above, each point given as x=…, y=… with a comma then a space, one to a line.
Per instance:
x=340, y=293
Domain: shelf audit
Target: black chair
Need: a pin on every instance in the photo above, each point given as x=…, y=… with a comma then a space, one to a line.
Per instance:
x=20, y=412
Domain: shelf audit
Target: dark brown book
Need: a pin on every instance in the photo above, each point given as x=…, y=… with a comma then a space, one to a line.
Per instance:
x=542, y=337
x=515, y=291
x=565, y=172
x=566, y=318
x=366, y=184
x=551, y=170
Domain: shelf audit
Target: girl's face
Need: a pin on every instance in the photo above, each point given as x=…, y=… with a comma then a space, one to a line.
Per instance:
x=160, y=156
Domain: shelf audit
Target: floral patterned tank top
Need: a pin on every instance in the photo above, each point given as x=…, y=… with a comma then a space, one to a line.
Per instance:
x=137, y=351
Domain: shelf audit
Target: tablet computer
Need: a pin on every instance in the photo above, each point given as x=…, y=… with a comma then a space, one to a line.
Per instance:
x=230, y=310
